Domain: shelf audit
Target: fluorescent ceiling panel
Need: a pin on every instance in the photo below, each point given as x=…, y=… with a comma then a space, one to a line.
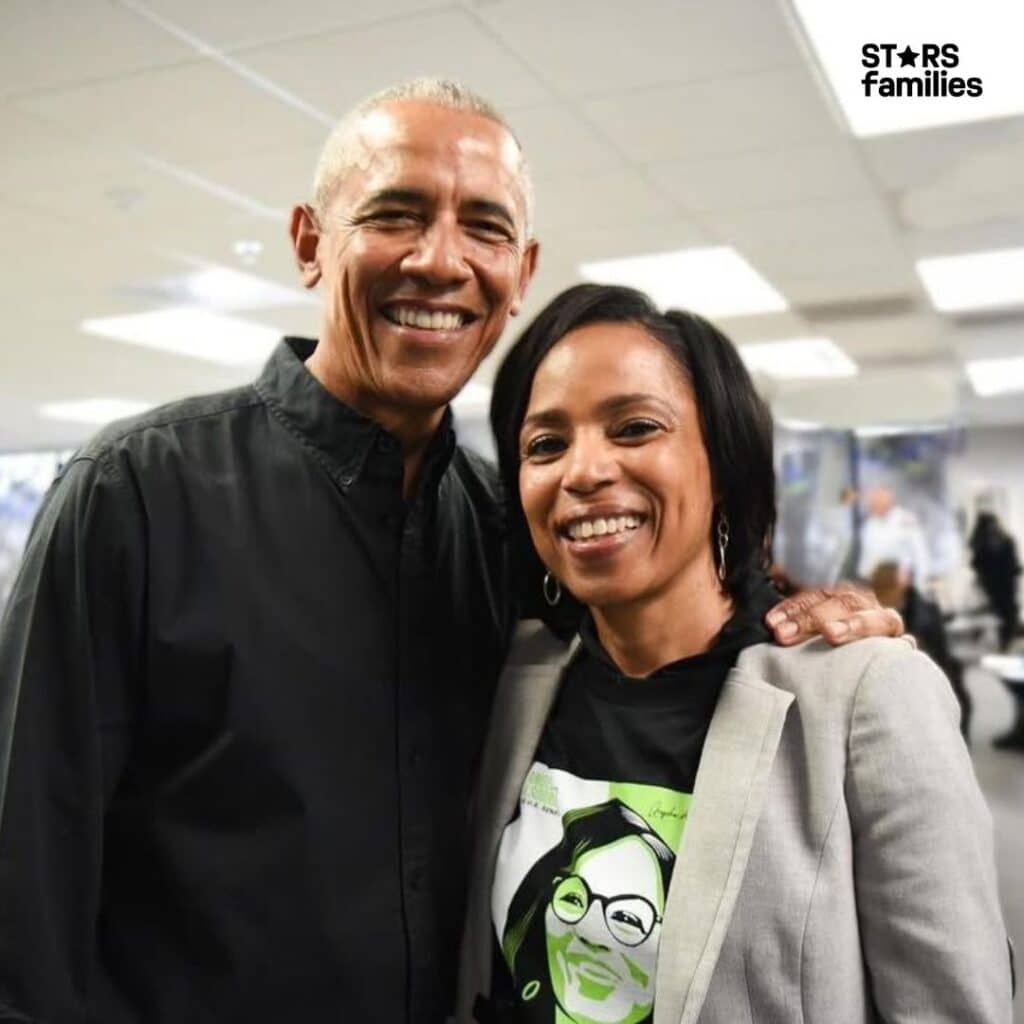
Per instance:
x=222, y=289
x=976, y=280
x=715, y=282
x=93, y=410
x=191, y=332
x=987, y=34
x=996, y=376
x=798, y=359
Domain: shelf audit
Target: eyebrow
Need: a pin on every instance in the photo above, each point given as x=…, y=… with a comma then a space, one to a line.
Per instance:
x=614, y=404
x=408, y=196
x=491, y=208
x=414, y=197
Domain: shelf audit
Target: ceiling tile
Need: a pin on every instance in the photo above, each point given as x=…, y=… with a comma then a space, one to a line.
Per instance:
x=335, y=71
x=557, y=142
x=194, y=112
x=227, y=25
x=619, y=196
x=48, y=44
x=716, y=117
x=833, y=223
x=752, y=180
x=279, y=178
x=652, y=42
x=909, y=159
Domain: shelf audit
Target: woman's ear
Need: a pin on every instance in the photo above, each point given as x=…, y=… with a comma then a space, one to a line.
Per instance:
x=305, y=232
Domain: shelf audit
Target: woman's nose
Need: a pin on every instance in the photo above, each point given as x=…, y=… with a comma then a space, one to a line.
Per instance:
x=590, y=465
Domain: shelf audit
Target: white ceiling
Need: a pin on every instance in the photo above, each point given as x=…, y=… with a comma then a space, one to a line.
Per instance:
x=143, y=137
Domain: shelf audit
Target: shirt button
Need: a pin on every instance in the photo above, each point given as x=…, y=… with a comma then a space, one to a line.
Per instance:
x=415, y=879
x=415, y=759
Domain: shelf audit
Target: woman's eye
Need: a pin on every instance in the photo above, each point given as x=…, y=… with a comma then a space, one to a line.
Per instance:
x=545, y=446
x=635, y=429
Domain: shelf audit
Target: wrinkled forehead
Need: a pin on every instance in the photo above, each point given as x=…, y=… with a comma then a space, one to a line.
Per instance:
x=452, y=148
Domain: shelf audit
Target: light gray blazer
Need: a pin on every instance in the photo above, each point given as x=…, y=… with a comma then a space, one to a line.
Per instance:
x=837, y=862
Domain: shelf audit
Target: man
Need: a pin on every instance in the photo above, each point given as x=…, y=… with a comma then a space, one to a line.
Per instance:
x=248, y=663
x=892, y=534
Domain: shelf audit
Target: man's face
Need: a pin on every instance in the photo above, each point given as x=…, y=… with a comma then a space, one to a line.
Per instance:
x=422, y=253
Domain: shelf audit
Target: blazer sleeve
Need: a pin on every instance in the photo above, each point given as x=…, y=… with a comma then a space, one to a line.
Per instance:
x=933, y=936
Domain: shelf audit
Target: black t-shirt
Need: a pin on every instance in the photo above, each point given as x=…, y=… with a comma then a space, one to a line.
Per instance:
x=585, y=864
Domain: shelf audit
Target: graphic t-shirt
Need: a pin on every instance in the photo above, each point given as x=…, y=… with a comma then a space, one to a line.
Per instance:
x=584, y=867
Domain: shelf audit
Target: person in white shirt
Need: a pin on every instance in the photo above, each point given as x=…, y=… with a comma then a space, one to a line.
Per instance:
x=891, y=533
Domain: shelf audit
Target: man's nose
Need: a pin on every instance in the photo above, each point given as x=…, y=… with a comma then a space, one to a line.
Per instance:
x=439, y=256
x=590, y=464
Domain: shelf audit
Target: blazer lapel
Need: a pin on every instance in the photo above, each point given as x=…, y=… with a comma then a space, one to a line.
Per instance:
x=525, y=694
x=728, y=797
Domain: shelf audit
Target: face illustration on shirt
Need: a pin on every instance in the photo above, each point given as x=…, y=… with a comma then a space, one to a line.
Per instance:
x=603, y=923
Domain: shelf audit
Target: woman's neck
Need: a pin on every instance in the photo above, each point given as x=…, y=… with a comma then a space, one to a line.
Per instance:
x=642, y=636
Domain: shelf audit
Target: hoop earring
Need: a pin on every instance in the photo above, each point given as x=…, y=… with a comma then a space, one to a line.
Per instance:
x=722, y=533
x=552, y=589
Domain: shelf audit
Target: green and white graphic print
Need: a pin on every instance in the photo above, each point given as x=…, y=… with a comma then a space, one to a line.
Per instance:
x=579, y=895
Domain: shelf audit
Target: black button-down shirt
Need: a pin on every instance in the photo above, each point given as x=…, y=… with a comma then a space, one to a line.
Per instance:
x=243, y=685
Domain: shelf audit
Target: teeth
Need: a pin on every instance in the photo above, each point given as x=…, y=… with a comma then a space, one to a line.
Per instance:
x=583, y=529
x=438, y=320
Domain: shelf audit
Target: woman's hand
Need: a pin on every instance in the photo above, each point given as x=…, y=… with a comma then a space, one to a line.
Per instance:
x=840, y=614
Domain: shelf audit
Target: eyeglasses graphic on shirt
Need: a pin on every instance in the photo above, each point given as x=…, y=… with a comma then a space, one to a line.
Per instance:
x=630, y=919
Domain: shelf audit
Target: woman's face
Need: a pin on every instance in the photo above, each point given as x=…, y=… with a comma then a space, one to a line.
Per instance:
x=603, y=926
x=614, y=476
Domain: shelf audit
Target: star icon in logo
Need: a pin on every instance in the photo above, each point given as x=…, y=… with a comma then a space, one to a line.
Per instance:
x=907, y=56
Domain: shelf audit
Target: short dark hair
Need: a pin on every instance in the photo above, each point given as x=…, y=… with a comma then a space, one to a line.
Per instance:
x=735, y=422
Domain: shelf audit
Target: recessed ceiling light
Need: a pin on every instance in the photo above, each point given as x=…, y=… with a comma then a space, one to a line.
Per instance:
x=223, y=289
x=798, y=358
x=800, y=426
x=891, y=429
x=191, y=332
x=247, y=250
x=996, y=376
x=977, y=280
x=93, y=410
x=715, y=282
x=986, y=35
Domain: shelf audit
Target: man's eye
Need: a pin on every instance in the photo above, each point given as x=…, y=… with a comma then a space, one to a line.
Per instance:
x=489, y=229
x=545, y=446
x=395, y=216
x=635, y=429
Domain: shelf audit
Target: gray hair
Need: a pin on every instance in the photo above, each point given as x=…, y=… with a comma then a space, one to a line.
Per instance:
x=335, y=157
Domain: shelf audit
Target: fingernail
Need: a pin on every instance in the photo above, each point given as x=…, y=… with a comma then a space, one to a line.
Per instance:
x=838, y=629
x=774, y=617
x=786, y=630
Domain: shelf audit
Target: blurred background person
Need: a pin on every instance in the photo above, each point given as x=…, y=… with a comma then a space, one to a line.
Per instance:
x=891, y=533
x=923, y=619
x=997, y=567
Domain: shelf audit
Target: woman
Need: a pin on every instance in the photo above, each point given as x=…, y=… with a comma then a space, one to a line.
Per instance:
x=826, y=853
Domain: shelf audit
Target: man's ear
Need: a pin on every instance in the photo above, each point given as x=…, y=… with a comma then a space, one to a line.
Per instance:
x=526, y=272
x=305, y=232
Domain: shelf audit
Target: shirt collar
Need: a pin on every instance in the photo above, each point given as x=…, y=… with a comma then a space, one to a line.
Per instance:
x=341, y=437
x=744, y=628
